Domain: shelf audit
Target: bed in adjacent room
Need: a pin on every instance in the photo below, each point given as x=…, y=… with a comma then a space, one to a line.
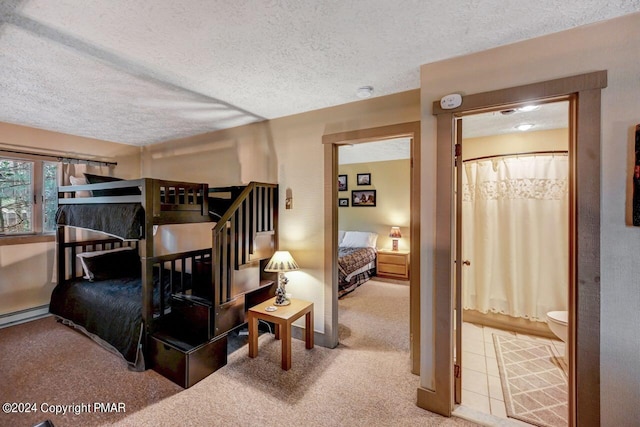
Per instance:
x=356, y=259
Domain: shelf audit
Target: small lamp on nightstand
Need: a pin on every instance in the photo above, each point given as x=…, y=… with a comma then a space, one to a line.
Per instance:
x=281, y=262
x=395, y=235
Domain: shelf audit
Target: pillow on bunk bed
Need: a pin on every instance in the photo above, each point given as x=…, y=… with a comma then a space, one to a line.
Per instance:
x=359, y=239
x=110, y=264
x=79, y=180
x=98, y=179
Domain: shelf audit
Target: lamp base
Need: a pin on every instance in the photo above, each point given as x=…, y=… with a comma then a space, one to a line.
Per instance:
x=281, y=293
x=394, y=245
x=283, y=301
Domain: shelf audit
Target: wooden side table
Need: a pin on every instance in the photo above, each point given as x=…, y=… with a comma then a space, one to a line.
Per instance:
x=393, y=264
x=283, y=318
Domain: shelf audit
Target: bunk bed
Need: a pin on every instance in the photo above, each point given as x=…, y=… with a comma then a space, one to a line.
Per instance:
x=170, y=312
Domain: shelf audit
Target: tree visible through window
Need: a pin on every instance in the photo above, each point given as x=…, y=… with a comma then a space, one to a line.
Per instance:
x=28, y=196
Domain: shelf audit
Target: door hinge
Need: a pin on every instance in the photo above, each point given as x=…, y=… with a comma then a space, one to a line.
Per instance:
x=458, y=150
x=456, y=371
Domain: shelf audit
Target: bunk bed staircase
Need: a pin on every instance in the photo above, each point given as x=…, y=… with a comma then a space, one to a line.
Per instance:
x=189, y=342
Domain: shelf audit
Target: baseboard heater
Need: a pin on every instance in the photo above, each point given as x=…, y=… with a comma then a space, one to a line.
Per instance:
x=26, y=315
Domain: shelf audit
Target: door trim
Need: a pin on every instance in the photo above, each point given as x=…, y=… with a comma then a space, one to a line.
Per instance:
x=584, y=286
x=331, y=144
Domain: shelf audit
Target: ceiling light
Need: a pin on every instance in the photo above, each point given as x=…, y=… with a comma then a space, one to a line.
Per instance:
x=524, y=126
x=364, y=92
x=528, y=108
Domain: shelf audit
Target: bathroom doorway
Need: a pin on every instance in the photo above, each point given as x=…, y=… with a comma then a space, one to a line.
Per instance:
x=583, y=92
x=512, y=188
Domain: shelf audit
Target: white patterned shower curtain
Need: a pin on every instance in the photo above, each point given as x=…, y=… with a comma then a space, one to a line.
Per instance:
x=515, y=215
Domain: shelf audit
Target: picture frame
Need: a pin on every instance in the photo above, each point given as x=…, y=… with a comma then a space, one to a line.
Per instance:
x=363, y=198
x=343, y=203
x=342, y=183
x=364, y=179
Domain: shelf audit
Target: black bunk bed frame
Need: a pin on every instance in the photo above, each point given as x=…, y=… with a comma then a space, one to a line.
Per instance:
x=186, y=339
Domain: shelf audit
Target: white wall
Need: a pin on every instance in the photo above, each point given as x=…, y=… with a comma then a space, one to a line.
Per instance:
x=612, y=46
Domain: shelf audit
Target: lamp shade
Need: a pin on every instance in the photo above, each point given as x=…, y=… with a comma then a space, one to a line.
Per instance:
x=281, y=261
x=395, y=233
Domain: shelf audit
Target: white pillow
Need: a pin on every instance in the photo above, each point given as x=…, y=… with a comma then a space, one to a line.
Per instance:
x=83, y=255
x=359, y=239
x=80, y=180
x=340, y=236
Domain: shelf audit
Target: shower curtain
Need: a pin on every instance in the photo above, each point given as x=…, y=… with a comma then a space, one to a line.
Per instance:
x=515, y=235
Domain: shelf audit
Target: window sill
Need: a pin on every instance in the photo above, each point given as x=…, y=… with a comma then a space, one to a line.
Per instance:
x=22, y=240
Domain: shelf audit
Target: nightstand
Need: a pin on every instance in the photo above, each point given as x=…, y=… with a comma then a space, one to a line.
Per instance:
x=393, y=264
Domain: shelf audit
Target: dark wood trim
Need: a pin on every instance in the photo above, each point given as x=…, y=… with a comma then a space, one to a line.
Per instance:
x=583, y=92
x=381, y=133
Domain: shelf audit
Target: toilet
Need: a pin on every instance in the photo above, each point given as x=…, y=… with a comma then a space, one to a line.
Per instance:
x=558, y=322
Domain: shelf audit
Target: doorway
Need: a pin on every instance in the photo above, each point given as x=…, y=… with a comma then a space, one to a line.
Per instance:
x=583, y=92
x=332, y=142
x=513, y=230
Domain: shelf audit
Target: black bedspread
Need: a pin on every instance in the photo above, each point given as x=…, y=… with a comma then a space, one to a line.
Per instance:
x=110, y=310
x=124, y=220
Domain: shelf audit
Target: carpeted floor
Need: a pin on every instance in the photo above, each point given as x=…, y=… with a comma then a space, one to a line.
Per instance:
x=46, y=363
x=534, y=381
x=365, y=381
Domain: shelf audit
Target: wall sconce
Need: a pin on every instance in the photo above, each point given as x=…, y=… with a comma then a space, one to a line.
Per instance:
x=288, y=199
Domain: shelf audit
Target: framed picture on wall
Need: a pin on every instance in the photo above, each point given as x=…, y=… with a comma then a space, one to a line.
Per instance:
x=342, y=183
x=364, y=179
x=343, y=202
x=363, y=197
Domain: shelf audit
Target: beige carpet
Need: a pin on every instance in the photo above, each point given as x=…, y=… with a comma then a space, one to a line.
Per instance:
x=534, y=381
x=365, y=381
x=46, y=363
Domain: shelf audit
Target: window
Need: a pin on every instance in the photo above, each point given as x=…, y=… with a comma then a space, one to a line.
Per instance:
x=28, y=196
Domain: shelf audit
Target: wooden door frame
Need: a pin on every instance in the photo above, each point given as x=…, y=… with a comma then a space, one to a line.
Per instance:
x=584, y=245
x=331, y=144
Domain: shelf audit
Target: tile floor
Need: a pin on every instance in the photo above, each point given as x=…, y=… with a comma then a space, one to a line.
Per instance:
x=481, y=388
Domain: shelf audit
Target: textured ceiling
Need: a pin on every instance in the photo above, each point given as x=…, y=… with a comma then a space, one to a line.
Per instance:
x=145, y=71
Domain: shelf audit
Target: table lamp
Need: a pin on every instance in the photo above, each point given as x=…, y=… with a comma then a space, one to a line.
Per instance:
x=395, y=235
x=280, y=262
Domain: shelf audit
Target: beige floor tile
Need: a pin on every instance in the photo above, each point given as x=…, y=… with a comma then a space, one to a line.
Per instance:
x=492, y=367
x=475, y=362
x=475, y=381
x=476, y=401
x=497, y=408
x=473, y=345
x=495, y=388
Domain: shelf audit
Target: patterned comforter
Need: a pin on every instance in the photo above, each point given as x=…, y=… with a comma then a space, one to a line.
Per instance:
x=350, y=260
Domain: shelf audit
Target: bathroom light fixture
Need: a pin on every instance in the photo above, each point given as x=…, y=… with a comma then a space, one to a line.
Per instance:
x=524, y=126
x=280, y=262
x=528, y=108
x=364, y=92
